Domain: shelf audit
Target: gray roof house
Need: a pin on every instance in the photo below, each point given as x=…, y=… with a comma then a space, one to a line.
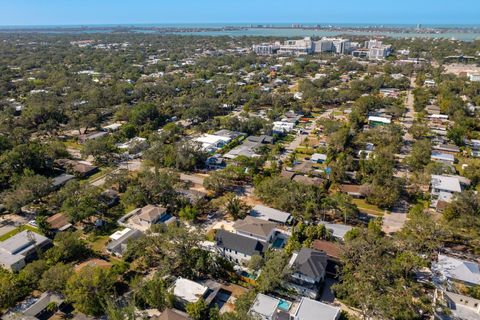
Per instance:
x=238, y=248
x=16, y=251
x=120, y=239
x=309, y=309
x=338, y=230
x=270, y=214
x=265, y=307
x=255, y=228
x=308, y=271
x=453, y=269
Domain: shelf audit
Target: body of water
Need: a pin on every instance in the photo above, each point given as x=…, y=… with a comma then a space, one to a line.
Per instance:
x=458, y=32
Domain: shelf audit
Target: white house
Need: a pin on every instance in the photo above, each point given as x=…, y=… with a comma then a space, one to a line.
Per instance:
x=211, y=142
x=309, y=309
x=270, y=214
x=308, y=272
x=445, y=184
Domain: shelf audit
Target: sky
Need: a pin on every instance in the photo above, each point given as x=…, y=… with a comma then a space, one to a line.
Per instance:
x=82, y=12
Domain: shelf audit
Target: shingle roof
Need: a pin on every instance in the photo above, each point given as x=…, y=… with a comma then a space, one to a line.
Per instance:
x=311, y=263
x=254, y=226
x=151, y=213
x=236, y=242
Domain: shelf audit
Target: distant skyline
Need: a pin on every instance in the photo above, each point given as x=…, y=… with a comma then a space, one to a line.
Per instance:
x=83, y=12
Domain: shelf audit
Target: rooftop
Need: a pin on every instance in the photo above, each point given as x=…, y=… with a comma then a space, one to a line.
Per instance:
x=246, y=245
x=254, y=226
x=309, y=309
x=270, y=214
x=264, y=305
x=187, y=290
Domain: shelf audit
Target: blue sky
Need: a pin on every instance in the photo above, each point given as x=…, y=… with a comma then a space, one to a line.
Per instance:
x=64, y=12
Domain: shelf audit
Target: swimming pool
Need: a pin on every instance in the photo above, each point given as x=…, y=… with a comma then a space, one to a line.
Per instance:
x=284, y=305
x=278, y=243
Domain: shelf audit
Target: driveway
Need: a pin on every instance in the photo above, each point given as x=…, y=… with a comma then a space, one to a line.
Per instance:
x=394, y=221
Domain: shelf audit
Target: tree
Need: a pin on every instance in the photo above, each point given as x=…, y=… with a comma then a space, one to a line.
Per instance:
x=198, y=310
x=188, y=213
x=256, y=262
x=273, y=272
x=420, y=155
x=29, y=187
x=377, y=278
x=101, y=149
x=235, y=207
x=83, y=203
x=151, y=293
x=69, y=247
x=89, y=288
x=55, y=278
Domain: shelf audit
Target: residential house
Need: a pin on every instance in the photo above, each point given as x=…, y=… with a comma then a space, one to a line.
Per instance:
x=268, y=308
x=212, y=143
x=375, y=121
x=318, y=157
x=215, y=162
x=445, y=184
x=81, y=169
x=262, y=139
x=456, y=270
x=58, y=222
x=172, y=314
x=446, y=158
x=355, y=191
x=21, y=248
x=308, y=272
x=238, y=248
x=333, y=250
x=270, y=214
x=446, y=148
x=143, y=218
x=120, y=239
x=461, y=306
x=187, y=291
x=337, y=230
x=39, y=309
x=309, y=309
x=255, y=228
x=282, y=127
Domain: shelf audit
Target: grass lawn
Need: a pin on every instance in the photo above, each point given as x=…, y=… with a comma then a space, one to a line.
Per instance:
x=18, y=230
x=73, y=144
x=368, y=208
x=98, y=243
x=210, y=235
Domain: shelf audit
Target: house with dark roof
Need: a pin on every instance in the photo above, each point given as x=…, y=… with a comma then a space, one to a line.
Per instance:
x=58, y=222
x=333, y=250
x=238, y=248
x=308, y=272
x=252, y=227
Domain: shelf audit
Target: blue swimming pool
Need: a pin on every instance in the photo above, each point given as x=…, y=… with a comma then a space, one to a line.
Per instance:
x=284, y=305
x=278, y=243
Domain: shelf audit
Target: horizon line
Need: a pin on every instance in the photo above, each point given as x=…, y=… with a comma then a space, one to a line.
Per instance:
x=242, y=23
